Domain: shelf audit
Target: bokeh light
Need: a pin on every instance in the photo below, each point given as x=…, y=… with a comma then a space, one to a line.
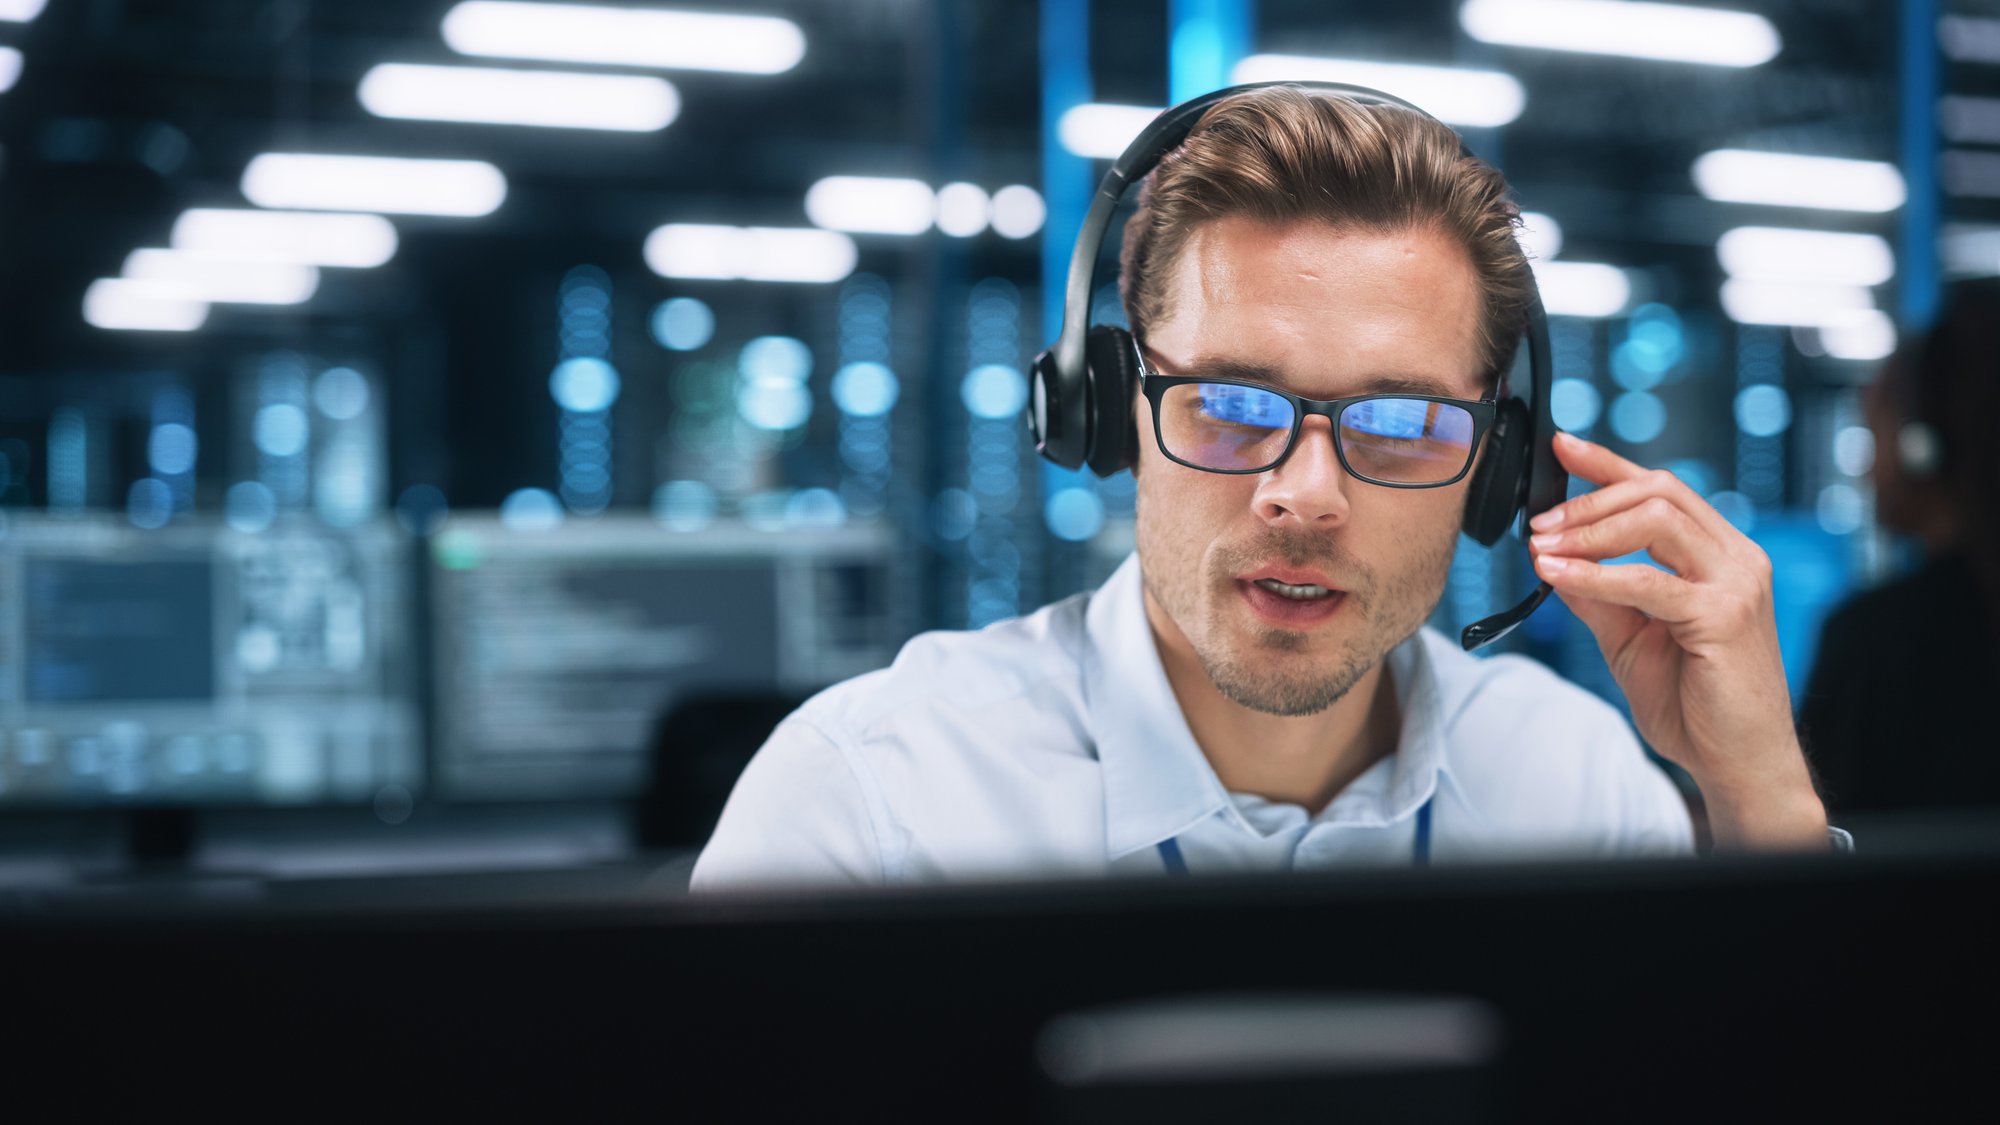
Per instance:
x=683, y=324
x=249, y=506
x=994, y=390
x=280, y=430
x=1074, y=514
x=1763, y=410
x=1575, y=404
x=1854, y=450
x=341, y=393
x=1638, y=416
x=585, y=385
x=684, y=505
x=531, y=509
x=865, y=389
x=1840, y=509
x=149, y=503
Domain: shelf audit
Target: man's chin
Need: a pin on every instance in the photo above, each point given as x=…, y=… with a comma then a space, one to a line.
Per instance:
x=1275, y=680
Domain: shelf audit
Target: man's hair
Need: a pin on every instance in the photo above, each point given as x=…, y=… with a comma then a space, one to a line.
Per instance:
x=1284, y=154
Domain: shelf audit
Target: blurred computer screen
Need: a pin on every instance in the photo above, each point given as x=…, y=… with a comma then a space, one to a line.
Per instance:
x=196, y=665
x=557, y=653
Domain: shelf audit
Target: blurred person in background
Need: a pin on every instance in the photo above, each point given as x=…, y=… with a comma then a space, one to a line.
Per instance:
x=1897, y=712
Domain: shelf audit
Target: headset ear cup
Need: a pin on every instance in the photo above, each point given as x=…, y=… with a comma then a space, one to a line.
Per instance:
x=1494, y=497
x=1113, y=378
x=1052, y=412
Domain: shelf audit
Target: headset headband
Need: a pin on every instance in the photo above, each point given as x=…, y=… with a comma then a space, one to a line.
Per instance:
x=1160, y=137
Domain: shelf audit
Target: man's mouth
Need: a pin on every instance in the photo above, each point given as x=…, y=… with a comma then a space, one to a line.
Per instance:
x=1306, y=592
x=1291, y=598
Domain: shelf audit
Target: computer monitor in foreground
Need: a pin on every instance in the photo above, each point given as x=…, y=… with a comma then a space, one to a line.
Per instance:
x=194, y=665
x=1769, y=989
x=558, y=652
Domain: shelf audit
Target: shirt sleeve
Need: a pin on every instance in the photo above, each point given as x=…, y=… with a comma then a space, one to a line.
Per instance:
x=1653, y=816
x=799, y=815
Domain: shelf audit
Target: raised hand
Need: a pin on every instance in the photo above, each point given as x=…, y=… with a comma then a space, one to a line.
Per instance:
x=1694, y=646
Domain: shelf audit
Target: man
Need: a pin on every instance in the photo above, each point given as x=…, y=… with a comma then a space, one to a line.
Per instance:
x=1254, y=690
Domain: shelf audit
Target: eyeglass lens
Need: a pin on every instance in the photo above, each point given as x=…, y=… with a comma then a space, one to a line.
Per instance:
x=1394, y=440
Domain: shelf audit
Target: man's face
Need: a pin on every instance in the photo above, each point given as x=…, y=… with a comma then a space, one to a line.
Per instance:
x=1322, y=312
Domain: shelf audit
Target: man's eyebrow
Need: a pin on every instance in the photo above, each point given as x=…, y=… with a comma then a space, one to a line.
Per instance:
x=1218, y=368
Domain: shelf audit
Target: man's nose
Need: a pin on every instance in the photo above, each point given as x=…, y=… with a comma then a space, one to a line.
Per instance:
x=1309, y=486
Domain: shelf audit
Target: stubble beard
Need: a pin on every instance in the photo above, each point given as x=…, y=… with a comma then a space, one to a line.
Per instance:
x=1257, y=673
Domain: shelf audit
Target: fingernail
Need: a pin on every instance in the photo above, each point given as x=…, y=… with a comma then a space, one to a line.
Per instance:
x=1549, y=520
x=1551, y=564
x=1544, y=543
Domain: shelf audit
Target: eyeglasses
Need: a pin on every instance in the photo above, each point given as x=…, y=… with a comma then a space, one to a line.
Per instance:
x=1394, y=440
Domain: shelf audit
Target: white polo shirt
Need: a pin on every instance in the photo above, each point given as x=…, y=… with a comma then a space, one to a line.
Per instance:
x=1052, y=744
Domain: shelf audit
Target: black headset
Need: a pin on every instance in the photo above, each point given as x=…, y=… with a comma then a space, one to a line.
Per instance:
x=1082, y=386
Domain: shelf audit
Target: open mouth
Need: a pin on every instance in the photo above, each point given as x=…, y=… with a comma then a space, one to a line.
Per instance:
x=1305, y=593
x=1291, y=605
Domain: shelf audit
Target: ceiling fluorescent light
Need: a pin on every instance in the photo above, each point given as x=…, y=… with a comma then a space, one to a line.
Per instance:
x=1786, y=180
x=1971, y=250
x=115, y=302
x=1018, y=211
x=1454, y=95
x=1540, y=235
x=493, y=96
x=873, y=205
x=1969, y=121
x=1629, y=28
x=1969, y=173
x=200, y=278
x=463, y=188
x=1970, y=39
x=1802, y=304
x=10, y=68
x=695, y=250
x=1582, y=288
x=20, y=11
x=1101, y=130
x=1868, y=334
x=652, y=37
x=303, y=237
x=1777, y=254
x=962, y=209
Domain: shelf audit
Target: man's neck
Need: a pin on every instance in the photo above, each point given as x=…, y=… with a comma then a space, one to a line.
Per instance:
x=1302, y=760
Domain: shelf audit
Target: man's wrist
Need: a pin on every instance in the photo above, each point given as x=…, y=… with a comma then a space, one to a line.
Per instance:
x=1788, y=818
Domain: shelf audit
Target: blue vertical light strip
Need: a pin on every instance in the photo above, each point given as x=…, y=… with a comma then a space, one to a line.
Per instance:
x=1919, y=83
x=585, y=385
x=1066, y=177
x=1205, y=41
x=68, y=462
x=993, y=392
x=865, y=390
x=1760, y=457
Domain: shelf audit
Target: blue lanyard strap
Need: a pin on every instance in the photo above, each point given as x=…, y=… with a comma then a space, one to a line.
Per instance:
x=1176, y=863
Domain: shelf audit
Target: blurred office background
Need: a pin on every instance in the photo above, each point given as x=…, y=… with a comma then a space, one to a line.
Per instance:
x=433, y=434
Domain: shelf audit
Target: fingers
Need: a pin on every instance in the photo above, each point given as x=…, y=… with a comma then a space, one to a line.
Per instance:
x=1593, y=462
x=1612, y=625
x=1629, y=489
x=1649, y=590
x=1650, y=524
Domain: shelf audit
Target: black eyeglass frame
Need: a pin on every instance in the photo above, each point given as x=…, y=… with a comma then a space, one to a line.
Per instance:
x=1154, y=385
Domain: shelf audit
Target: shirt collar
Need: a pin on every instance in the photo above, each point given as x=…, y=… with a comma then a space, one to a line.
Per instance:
x=1157, y=782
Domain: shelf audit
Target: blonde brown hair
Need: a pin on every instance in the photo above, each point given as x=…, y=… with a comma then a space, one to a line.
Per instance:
x=1284, y=153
